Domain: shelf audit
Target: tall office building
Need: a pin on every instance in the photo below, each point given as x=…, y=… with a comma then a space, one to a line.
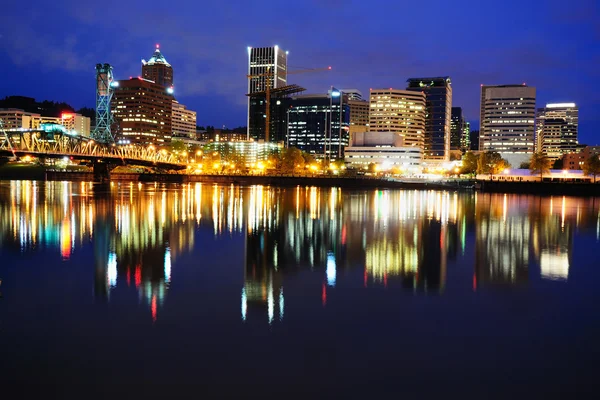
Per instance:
x=76, y=122
x=556, y=129
x=438, y=99
x=353, y=94
x=309, y=119
x=157, y=69
x=465, y=141
x=142, y=110
x=15, y=118
x=457, y=124
x=183, y=121
x=508, y=121
x=267, y=67
x=400, y=111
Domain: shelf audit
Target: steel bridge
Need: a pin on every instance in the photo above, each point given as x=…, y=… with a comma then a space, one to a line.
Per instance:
x=59, y=143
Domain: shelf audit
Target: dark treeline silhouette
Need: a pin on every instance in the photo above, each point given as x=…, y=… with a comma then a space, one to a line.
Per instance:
x=45, y=108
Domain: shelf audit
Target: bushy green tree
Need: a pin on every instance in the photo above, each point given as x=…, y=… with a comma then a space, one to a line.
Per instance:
x=491, y=163
x=469, y=163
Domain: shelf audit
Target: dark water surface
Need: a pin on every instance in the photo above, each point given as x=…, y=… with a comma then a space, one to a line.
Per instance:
x=146, y=289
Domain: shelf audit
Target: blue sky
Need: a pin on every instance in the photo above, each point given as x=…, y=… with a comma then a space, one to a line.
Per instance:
x=49, y=50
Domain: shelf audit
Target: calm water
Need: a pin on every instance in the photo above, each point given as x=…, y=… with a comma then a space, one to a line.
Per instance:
x=142, y=289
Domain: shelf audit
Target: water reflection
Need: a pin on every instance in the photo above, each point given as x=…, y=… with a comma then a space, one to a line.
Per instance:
x=399, y=240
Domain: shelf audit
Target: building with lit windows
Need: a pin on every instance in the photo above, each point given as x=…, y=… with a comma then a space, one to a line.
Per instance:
x=76, y=122
x=575, y=160
x=267, y=67
x=14, y=118
x=438, y=111
x=143, y=112
x=385, y=149
x=249, y=152
x=508, y=121
x=309, y=119
x=157, y=69
x=183, y=121
x=459, y=130
x=399, y=111
x=556, y=129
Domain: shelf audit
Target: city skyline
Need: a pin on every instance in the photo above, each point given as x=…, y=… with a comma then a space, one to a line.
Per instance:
x=506, y=49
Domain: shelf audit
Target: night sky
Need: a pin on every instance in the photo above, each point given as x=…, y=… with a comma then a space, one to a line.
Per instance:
x=50, y=49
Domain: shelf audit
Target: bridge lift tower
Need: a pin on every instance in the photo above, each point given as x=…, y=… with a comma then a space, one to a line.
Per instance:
x=105, y=85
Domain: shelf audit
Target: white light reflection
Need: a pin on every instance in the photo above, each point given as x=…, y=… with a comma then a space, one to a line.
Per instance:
x=281, y=305
x=554, y=266
x=244, y=304
x=112, y=269
x=331, y=269
x=168, y=265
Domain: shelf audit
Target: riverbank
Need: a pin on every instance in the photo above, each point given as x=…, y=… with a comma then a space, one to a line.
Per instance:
x=24, y=172
x=540, y=188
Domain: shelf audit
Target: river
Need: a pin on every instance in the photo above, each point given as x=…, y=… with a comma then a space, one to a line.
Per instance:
x=145, y=289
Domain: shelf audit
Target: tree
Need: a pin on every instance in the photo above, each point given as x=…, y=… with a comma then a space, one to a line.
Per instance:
x=539, y=164
x=292, y=159
x=591, y=166
x=469, y=163
x=524, y=165
x=372, y=167
x=491, y=163
x=558, y=164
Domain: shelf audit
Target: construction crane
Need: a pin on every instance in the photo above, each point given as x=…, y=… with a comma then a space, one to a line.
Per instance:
x=268, y=90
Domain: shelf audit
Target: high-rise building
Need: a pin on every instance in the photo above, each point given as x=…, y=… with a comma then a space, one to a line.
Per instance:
x=556, y=129
x=438, y=100
x=400, y=111
x=142, y=109
x=508, y=121
x=353, y=94
x=183, y=121
x=267, y=68
x=157, y=69
x=309, y=120
x=76, y=122
x=465, y=140
x=457, y=125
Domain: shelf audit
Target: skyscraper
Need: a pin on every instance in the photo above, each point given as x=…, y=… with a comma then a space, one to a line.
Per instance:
x=157, y=69
x=309, y=119
x=556, y=129
x=267, y=68
x=143, y=110
x=399, y=111
x=508, y=121
x=183, y=121
x=438, y=100
x=457, y=124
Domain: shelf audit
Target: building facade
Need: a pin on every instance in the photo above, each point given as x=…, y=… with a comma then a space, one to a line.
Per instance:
x=399, y=111
x=267, y=68
x=474, y=140
x=508, y=121
x=575, y=160
x=143, y=111
x=438, y=102
x=318, y=124
x=465, y=141
x=385, y=149
x=457, y=127
x=157, y=69
x=76, y=122
x=556, y=129
x=248, y=152
x=14, y=118
x=183, y=121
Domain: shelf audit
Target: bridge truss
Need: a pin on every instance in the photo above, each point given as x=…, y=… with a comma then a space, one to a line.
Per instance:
x=58, y=144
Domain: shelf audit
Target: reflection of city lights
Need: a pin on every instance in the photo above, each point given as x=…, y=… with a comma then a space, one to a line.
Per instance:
x=244, y=304
x=281, y=305
x=554, y=266
x=331, y=269
x=168, y=265
x=112, y=269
